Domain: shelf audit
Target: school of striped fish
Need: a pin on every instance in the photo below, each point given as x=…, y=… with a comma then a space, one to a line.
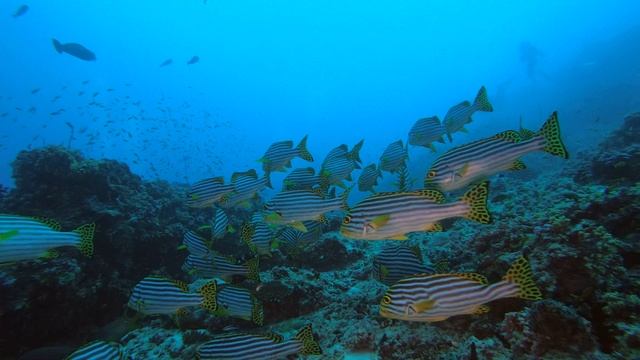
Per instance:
x=456, y=185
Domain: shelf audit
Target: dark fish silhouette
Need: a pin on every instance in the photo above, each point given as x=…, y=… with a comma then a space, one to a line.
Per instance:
x=75, y=50
x=21, y=11
x=193, y=60
x=166, y=62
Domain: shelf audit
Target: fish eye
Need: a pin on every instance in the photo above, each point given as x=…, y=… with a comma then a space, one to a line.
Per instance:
x=386, y=300
x=347, y=219
x=431, y=174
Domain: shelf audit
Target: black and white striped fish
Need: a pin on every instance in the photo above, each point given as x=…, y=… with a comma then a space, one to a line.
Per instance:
x=369, y=178
x=460, y=115
x=430, y=298
x=207, y=192
x=160, y=295
x=259, y=347
x=195, y=244
x=215, y=265
x=97, y=350
x=293, y=207
x=301, y=179
x=25, y=238
x=339, y=164
x=397, y=261
x=426, y=131
x=293, y=241
x=394, y=157
x=246, y=185
x=393, y=215
x=220, y=225
x=466, y=164
x=279, y=155
x=240, y=303
x=257, y=235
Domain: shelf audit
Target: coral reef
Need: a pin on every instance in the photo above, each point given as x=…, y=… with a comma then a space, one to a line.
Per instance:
x=577, y=225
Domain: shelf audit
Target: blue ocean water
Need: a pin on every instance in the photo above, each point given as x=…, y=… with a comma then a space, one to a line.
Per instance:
x=337, y=71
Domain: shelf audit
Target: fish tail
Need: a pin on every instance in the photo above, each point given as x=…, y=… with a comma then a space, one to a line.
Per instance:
x=302, y=149
x=86, y=239
x=309, y=344
x=476, y=197
x=246, y=234
x=57, y=45
x=267, y=180
x=355, y=152
x=253, y=267
x=257, y=312
x=344, y=197
x=550, y=131
x=209, y=296
x=520, y=273
x=481, y=103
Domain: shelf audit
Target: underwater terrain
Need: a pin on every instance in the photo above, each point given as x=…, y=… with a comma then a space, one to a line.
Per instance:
x=289, y=183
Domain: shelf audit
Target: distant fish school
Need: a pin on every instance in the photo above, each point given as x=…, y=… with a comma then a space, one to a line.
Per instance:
x=297, y=215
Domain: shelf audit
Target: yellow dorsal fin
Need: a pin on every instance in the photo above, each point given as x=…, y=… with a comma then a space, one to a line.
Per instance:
x=49, y=222
x=433, y=194
x=473, y=277
x=510, y=136
x=181, y=285
x=482, y=309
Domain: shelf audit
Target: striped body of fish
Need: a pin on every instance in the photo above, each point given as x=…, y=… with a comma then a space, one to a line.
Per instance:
x=246, y=185
x=431, y=298
x=214, y=265
x=301, y=179
x=257, y=235
x=159, y=295
x=293, y=207
x=398, y=261
x=460, y=115
x=393, y=215
x=466, y=164
x=97, y=350
x=220, y=224
x=207, y=192
x=369, y=178
x=292, y=241
x=195, y=244
x=394, y=157
x=279, y=155
x=343, y=151
x=339, y=164
x=238, y=302
x=259, y=347
x=426, y=131
x=25, y=238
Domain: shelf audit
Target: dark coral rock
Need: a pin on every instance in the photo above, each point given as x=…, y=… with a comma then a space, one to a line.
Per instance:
x=139, y=224
x=326, y=255
x=547, y=327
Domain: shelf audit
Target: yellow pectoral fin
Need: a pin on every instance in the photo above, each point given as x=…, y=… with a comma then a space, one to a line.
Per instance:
x=8, y=235
x=399, y=237
x=182, y=247
x=463, y=171
x=423, y=306
x=298, y=225
x=381, y=220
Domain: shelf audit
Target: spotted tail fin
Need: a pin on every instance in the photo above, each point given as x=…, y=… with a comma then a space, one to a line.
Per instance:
x=521, y=274
x=209, y=296
x=309, y=344
x=481, y=103
x=476, y=197
x=302, y=150
x=551, y=132
x=86, y=239
x=253, y=267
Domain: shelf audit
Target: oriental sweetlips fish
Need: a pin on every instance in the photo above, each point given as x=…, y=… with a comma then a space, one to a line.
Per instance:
x=397, y=261
x=160, y=295
x=293, y=207
x=338, y=165
x=460, y=115
x=431, y=298
x=393, y=158
x=25, y=238
x=466, y=164
x=257, y=235
x=246, y=186
x=279, y=155
x=240, y=303
x=369, y=178
x=426, y=131
x=207, y=192
x=259, y=347
x=101, y=350
x=393, y=215
x=301, y=179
